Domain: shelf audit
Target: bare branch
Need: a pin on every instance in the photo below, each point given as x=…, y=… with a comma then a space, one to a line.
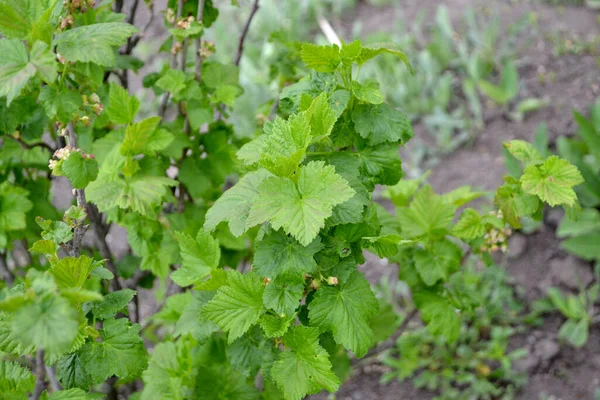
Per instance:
x=199, y=58
x=51, y=374
x=40, y=375
x=165, y=102
x=32, y=145
x=240, y=49
x=80, y=229
x=131, y=17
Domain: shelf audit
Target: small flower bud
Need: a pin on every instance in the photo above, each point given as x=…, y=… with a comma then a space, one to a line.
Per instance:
x=85, y=120
x=94, y=98
x=97, y=108
x=332, y=280
x=266, y=281
x=315, y=284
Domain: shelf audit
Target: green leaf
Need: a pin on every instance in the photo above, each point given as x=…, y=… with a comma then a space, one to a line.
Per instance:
x=279, y=256
x=71, y=272
x=428, y=214
x=17, y=67
x=437, y=262
x=121, y=352
x=374, y=50
x=470, y=225
x=282, y=146
x=122, y=108
x=283, y=298
x=144, y=138
x=166, y=373
x=368, y=91
x=320, y=58
x=588, y=222
x=200, y=256
x=514, y=203
x=524, y=152
x=62, y=104
x=15, y=380
x=345, y=309
x=48, y=323
x=8, y=342
x=79, y=170
x=321, y=117
x=382, y=163
x=380, y=123
x=441, y=317
x=552, y=181
x=238, y=305
x=350, y=51
x=305, y=369
x=93, y=43
x=172, y=81
x=112, y=303
x=585, y=246
x=303, y=208
x=274, y=326
x=74, y=394
x=71, y=372
x=575, y=332
x=14, y=205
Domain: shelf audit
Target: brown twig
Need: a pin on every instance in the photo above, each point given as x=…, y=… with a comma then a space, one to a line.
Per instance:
x=240, y=49
x=7, y=275
x=131, y=17
x=118, y=6
x=40, y=375
x=101, y=231
x=32, y=145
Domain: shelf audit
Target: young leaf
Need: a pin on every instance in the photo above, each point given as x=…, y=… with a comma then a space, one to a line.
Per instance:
x=93, y=43
x=372, y=51
x=552, y=181
x=79, y=170
x=300, y=209
x=200, y=256
x=305, y=368
x=279, y=256
x=346, y=309
x=470, y=225
x=238, y=305
x=62, y=104
x=428, y=214
x=111, y=303
x=122, y=108
x=121, y=352
x=235, y=204
x=524, y=152
x=71, y=272
x=320, y=58
x=74, y=394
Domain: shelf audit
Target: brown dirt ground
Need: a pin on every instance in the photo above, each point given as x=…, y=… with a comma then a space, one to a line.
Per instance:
x=573, y=374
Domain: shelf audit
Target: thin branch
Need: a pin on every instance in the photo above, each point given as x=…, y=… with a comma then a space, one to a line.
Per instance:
x=7, y=275
x=32, y=145
x=101, y=231
x=165, y=102
x=131, y=17
x=118, y=6
x=199, y=58
x=274, y=107
x=240, y=49
x=80, y=229
x=40, y=375
x=51, y=374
